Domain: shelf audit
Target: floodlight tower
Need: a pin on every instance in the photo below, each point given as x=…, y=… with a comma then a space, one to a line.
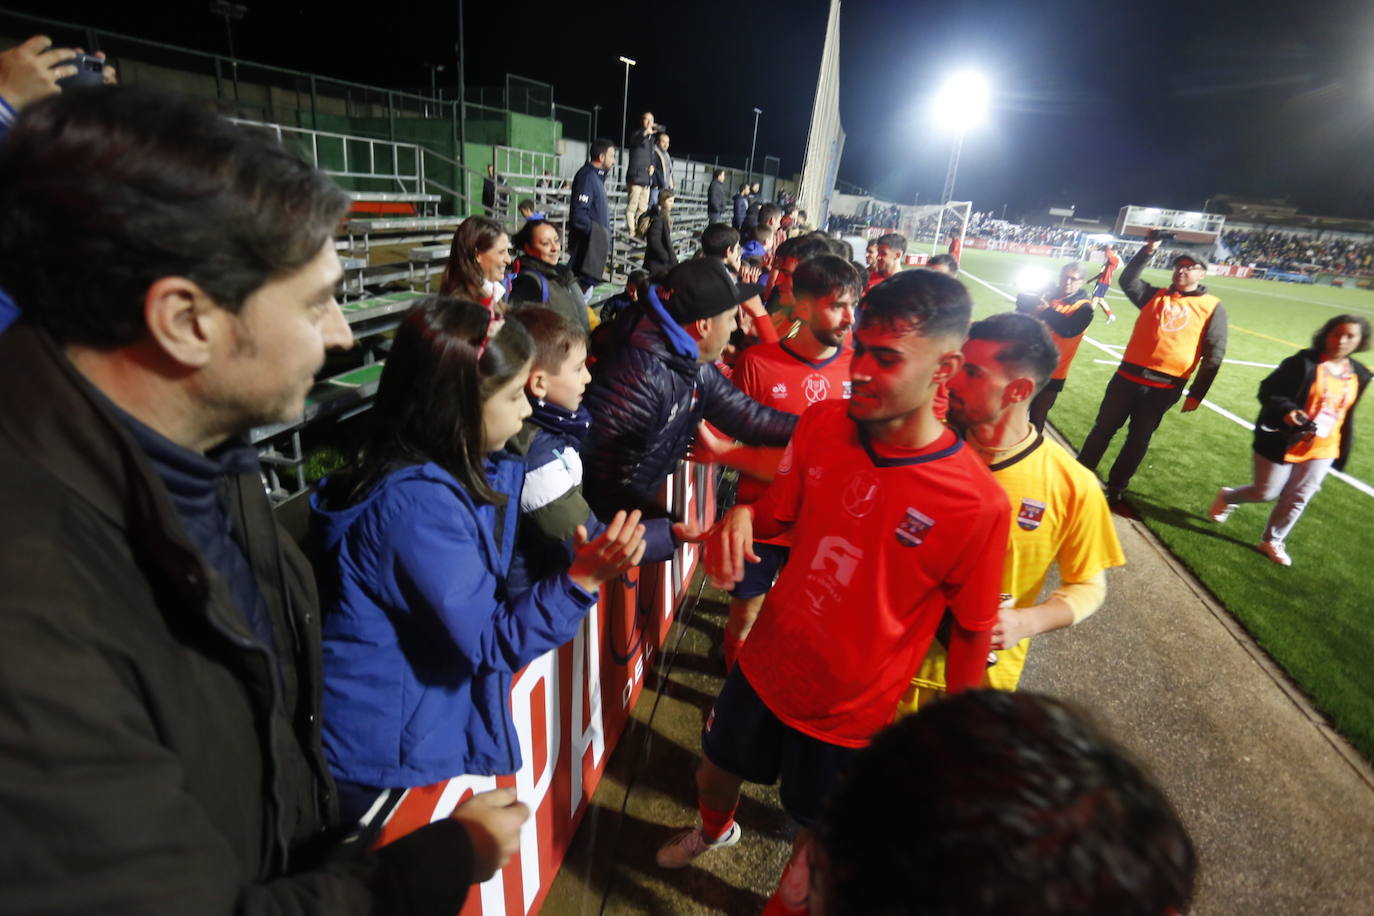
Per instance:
x=625, y=104
x=753, y=144
x=960, y=103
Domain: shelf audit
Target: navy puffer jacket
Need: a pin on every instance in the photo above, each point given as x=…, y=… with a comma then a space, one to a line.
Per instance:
x=646, y=398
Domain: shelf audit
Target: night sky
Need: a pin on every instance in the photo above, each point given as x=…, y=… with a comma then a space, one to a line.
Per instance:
x=1097, y=105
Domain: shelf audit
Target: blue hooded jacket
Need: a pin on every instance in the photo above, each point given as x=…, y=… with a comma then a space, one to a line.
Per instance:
x=419, y=640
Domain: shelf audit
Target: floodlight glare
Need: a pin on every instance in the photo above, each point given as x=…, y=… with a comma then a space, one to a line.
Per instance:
x=961, y=101
x=626, y=60
x=1032, y=280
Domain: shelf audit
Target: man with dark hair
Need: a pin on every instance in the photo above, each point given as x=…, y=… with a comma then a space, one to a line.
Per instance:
x=161, y=649
x=992, y=803
x=779, y=296
x=1066, y=310
x=893, y=520
x=719, y=240
x=944, y=263
x=792, y=375
x=770, y=218
x=717, y=198
x=1059, y=513
x=656, y=379
x=887, y=258
x=662, y=178
x=639, y=169
x=489, y=187
x=589, y=219
x=741, y=203
x=1179, y=330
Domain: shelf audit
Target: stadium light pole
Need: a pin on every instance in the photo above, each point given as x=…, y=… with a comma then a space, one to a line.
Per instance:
x=625, y=104
x=754, y=143
x=960, y=103
x=596, y=116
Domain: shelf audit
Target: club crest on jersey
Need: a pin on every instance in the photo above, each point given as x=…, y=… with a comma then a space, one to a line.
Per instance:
x=1031, y=514
x=816, y=388
x=913, y=528
x=1173, y=315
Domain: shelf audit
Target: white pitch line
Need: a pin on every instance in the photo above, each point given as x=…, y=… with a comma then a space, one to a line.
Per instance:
x=1360, y=485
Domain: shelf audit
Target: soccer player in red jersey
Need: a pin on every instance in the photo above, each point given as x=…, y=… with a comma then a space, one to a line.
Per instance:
x=1104, y=281
x=887, y=260
x=792, y=375
x=892, y=521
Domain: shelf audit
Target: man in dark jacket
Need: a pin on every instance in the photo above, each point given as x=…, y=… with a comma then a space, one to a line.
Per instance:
x=161, y=647
x=589, y=220
x=717, y=199
x=659, y=254
x=639, y=169
x=741, y=203
x=657, y=379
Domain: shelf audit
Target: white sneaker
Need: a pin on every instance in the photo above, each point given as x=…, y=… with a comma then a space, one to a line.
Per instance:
x=1221, y=510
x=684, y=848
x=1274, y=551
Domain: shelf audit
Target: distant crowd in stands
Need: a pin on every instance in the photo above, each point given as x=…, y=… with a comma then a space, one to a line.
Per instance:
x=1294, y=251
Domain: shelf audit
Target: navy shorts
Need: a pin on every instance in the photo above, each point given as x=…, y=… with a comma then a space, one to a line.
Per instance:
x=1101, y=291
x=742, y=736
x=759, y=577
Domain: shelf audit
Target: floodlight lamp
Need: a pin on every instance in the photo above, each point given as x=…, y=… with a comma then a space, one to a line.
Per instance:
x=1032, y=280
x=626, y=60
x=961, y=101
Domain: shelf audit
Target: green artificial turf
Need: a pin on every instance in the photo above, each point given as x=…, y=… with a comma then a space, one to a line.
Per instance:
x=1315, y=618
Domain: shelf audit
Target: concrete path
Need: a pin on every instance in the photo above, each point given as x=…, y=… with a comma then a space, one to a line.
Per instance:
x=1281, y=809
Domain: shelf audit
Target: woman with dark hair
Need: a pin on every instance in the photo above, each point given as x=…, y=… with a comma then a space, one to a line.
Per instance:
x=477, y=262
x=413, y=542
x=1306, y=427
x=539, y=278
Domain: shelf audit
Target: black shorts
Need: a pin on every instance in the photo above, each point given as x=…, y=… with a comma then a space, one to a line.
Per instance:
x=759, y=577
x=742, y=736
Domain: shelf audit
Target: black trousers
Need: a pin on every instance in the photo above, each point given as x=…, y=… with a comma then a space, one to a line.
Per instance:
x=1143, y=406
x=1040, y=406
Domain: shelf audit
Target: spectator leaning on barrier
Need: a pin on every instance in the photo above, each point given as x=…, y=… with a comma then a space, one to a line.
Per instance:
x=655, y=379
x=161, y=652
x=639, y=169
x=589, y=219
x=1179, y=329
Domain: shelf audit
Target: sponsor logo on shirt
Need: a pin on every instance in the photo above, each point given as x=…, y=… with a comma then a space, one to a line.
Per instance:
x=816, y=388
x=779, y=390
x=847, y=388
x=913, y=527
x=1031, y=514
x=861, y=495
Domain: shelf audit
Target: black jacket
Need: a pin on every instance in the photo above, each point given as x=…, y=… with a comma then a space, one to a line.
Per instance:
x=540, y=283
x=646, y=400
x=1284, y=390
x=153, y=760
x=717, y=202
x=658, y=242
x=639, y=156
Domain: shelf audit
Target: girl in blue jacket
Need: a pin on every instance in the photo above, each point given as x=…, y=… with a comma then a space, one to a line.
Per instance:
x=414, y=540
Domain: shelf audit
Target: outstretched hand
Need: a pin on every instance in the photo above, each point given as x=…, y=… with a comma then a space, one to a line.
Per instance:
x=493, y=820
x=613, y=551
x=690, y=532
x=729, y=546
x=30, y=71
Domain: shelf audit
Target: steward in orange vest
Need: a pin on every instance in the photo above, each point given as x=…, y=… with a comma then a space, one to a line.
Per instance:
x=1066, y=310
x=1179, y=330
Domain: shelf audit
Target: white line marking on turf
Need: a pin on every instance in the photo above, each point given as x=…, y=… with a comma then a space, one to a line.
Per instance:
x=1360, y=485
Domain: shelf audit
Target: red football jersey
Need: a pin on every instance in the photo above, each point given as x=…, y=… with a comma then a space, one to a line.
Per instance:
x=883, y=541
x=775, y=375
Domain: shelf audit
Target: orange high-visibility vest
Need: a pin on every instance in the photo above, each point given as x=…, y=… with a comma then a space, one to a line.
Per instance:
x=1168, y=334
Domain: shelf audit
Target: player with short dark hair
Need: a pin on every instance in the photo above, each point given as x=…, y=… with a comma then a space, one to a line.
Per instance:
x=717, y=239
x=944, y=263
x=792, y=375
x=887, y=258
x=892, y=520
x=992, y=803
x=1059, y=513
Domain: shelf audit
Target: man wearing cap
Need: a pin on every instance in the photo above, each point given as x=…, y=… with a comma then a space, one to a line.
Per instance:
x=658, y=379
x=1179, y=330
